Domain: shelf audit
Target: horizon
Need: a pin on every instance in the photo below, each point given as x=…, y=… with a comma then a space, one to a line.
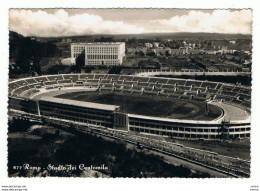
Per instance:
x=159, y=33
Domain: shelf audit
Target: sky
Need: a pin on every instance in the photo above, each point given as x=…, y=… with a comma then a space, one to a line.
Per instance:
x=73, y=22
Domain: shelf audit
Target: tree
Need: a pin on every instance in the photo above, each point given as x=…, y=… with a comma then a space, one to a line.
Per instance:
x=105, y=39
x=150, y=53
x=223, y=130
x=141, y=53
x=80, y=61
x=115, y=70
x=24, y=51
x=167, y=53
x=36, y=66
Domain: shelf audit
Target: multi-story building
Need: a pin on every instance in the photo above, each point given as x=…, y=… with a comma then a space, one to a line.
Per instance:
x=148, y=45
x=107, y=54
x=162, y=51
x=155, y=44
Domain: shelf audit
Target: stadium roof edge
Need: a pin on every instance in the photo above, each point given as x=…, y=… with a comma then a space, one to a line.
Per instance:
x=212, y=122
x=79, y=103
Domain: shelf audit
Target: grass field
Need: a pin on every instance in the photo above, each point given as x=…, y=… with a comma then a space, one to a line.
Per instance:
x=147, y=105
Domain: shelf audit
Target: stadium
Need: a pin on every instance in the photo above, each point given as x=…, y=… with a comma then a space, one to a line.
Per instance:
x=174, y=107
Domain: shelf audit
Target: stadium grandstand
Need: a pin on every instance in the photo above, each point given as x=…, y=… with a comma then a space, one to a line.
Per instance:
x=225, y=111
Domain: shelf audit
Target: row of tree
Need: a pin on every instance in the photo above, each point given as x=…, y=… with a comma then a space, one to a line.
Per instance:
x=25, y=54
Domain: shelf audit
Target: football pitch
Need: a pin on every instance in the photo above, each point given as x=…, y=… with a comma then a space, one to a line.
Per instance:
x=148, y=105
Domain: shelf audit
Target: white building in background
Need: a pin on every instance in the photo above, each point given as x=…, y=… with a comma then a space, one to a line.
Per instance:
x=148, y=45
x=155, y=44
x=96, y=54
x=232, y=42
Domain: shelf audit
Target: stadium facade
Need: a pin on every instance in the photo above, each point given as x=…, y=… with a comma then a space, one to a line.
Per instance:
x=28, y=97
x=96, y=54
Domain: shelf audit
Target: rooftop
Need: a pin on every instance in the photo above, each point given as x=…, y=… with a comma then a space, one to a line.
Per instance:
x=79, y=103
x=99, y=43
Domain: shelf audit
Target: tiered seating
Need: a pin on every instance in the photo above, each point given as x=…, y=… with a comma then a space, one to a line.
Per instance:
x=98, y=76
x=203, y=95
x=170, y=91
x=74, y=77
x=117, y=86
x=50, y=83
x=68, y=85
x=194, y=93
x=39, y=79
x=228, y=93
x=245, y=91
x=31, y=81
x=172, y=88
x=20, y=90
x=54, y=78
x=21, y=83
x=78, y=85
x=84, y=76
x=114, y=77
x=49, y=87
x=185, y=97
x=227, y=88
x=17, y=92
x=107, y=85
x=198, y=98
x=126, y=78
x=212, y=91
x=140, y=79
x=225, y=97
x=236, y=89
x=150, y=93
x=157, y=89
x=34, y=85
x=31, y=86
x=162, y=94
x=135, y=91
x=175, y=81
x=244, y=97
x=64, y=81
x=105, y=81
x=158, y=80
x=155, y=85
x=117, y=90
x=93, y=81
x=12, y=86
x=179, y=92
x=246, y=104
x=127, y=87
x=210, y=85
x=194, y=83
x=106, y=76
x=137, y=87
x=198, y=89
x=166, y=86
x=174, y=96
x=183, y=87
x=148, y=89
x=235, y=94
x=237, y=101
x=128, y=83
x=143, y=84
x=119, y=82
x=218, y=86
